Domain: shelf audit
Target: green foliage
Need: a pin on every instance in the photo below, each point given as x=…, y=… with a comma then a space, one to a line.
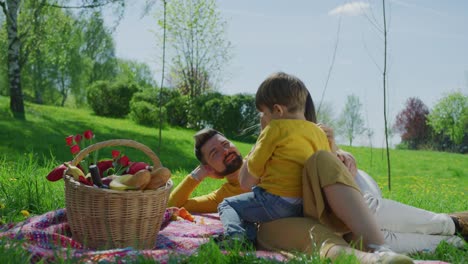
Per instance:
x=196, y=39
x=178, y=107
x=144, y=113
x=236, y=116
x=136, y=72
x=430, y=180
x=98, y=48
x=350, y=123
x=145, y=106
x=4, y=85
x=450, y=117
x=111, y=99
x=196, y=116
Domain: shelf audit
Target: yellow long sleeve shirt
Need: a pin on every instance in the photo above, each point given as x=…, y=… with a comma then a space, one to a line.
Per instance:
x=208, y=203
x=280, y=153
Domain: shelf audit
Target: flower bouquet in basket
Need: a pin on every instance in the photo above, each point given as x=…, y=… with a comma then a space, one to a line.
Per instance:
x=117, y=173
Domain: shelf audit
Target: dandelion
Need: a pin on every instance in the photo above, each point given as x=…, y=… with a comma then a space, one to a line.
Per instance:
x=25, y=213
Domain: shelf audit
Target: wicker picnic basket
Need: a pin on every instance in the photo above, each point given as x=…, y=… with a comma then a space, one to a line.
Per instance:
x=104, y=218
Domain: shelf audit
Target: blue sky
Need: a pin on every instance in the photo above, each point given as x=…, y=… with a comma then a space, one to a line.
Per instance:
x=427, y=50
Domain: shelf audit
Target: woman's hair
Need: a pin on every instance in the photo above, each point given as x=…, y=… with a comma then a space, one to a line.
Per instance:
x=309, y=111
x=283, y=89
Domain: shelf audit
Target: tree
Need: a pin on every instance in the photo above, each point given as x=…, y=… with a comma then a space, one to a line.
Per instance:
x=326, y=114
x=196, y=35
x=133, y=71
x=450, y=117
x=11, y=10
x=411, y=123
x=350, y=121
x=98, y=47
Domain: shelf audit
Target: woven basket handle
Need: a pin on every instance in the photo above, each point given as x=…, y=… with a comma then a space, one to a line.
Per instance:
x=117, y=142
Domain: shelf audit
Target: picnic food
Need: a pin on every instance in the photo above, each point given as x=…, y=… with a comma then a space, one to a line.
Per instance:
x=159, y=177
x=139, y=180
x=73, y=171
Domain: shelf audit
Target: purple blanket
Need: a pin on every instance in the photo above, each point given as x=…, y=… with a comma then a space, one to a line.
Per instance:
x=47, y=237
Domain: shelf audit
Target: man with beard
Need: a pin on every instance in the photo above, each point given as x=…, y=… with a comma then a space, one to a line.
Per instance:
x=219, y=159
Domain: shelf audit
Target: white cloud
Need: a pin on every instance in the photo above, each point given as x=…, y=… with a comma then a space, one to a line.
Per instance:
x=350, y=9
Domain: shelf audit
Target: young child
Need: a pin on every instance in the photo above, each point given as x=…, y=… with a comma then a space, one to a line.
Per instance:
x=287, y=140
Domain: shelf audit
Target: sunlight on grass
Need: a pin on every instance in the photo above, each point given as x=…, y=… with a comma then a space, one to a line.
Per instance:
x=434, y=181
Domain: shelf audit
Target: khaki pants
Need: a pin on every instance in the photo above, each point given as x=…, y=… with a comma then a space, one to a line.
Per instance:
x=320, y=229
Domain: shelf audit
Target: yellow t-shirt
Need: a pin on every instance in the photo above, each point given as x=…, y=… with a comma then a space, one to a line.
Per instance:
x=280, y=153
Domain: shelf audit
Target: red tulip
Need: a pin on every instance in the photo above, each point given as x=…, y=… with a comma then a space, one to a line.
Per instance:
x=115, y=154
x=136, y=166
x=78, y=138
x=57, y=173
x=124, y=161
x=104, y=165
x=69, y=140
x=88, y=134
x=75, y=149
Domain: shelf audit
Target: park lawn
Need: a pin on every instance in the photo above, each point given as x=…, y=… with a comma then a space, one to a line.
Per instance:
x=430, y=180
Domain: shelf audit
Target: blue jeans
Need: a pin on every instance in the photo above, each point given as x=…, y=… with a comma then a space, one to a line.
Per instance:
x=239, y=214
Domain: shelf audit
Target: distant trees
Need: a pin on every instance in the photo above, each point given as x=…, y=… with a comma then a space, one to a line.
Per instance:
x=450, y=117
x=350, y=122
x=17, y=29
x=445, y=128
x=411, y=123
x=326, y=115
x=198, y=45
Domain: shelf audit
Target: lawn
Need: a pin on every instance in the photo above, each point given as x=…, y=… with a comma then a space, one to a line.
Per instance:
x=430, y=180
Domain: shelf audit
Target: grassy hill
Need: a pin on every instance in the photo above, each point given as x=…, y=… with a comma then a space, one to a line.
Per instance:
x=430, y=180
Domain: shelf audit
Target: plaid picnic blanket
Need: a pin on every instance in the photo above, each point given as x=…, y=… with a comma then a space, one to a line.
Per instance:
x=47, y=238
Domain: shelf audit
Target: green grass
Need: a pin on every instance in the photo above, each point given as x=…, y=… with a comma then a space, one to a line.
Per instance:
x=434, y=181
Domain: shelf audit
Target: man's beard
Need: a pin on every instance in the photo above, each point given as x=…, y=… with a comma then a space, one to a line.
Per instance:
x=233, y=165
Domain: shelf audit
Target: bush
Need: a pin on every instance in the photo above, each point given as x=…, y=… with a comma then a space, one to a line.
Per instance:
x=146, y=114
x=178, y=107
x=197, y=118
x=111, y=99
x=234, y=115
x=144, y=107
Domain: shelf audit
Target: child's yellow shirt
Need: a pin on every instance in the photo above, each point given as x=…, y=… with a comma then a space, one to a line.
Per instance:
x=280, y=153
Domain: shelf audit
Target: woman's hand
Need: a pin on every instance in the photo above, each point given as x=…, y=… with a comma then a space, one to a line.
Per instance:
x=330, y=136
x=348, y=160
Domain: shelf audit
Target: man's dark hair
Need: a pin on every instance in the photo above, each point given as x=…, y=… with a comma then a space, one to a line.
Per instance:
x=201, y=137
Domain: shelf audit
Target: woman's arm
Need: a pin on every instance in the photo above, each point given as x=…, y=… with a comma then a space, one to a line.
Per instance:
x=347, y=158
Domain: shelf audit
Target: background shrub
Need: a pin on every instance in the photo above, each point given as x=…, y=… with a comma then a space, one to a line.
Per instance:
x=111, y=99
x=147, y=114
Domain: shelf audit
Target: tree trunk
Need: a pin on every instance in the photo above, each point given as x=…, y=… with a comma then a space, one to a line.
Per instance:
x=14, y=66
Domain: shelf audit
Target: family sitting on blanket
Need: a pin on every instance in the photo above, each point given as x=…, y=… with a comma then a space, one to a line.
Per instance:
x=338, y=212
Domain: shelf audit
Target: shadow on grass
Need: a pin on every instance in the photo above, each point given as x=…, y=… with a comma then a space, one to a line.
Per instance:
x=46, y=139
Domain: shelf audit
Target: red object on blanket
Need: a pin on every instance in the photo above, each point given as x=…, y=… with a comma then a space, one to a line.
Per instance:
x=57, y=173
